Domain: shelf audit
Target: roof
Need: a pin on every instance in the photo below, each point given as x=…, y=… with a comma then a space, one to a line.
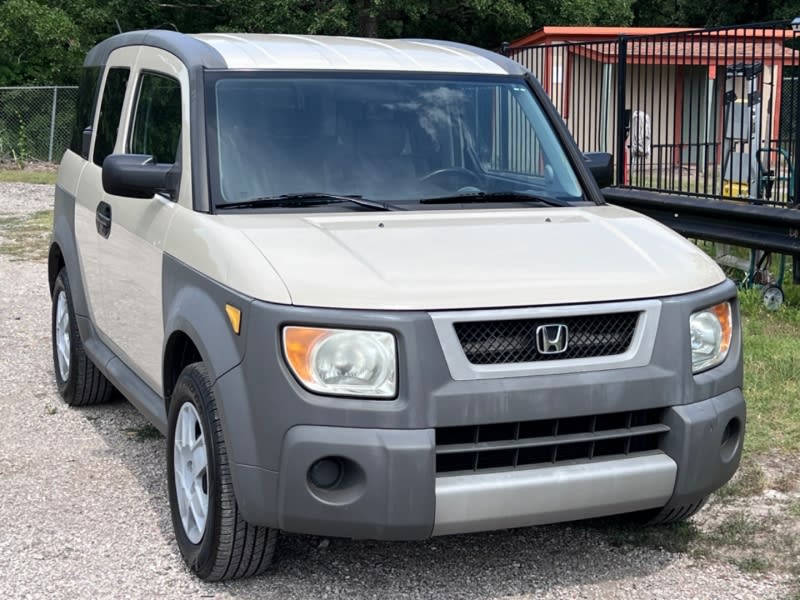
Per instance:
x=277, y=51
x=311, y=52
x=550, y=35
x=588, y=33
x=691, y=51
x=672, y=47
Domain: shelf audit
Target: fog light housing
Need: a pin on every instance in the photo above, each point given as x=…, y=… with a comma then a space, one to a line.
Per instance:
x=731, y=438
x=326, y=473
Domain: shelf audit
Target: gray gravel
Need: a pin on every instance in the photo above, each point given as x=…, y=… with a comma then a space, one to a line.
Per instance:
x=84, y=511
x=18, y=198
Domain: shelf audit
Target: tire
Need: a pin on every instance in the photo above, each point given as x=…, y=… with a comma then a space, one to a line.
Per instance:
x=772, y=296
x=79, y=381
x=219, y=545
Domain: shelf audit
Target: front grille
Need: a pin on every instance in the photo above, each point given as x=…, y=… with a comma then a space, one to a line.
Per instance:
x=514, y=340
x=548, y=441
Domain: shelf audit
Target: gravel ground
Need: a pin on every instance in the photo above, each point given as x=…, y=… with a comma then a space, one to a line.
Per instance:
x=84, y=511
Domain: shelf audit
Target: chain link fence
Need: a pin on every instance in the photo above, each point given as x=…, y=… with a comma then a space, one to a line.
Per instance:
x=36, y=122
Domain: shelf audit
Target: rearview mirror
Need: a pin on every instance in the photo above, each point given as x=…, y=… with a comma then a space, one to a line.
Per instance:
x=139, y=176
x=601, y=164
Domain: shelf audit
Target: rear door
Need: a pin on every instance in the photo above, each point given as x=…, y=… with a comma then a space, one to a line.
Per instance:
x=89, y=193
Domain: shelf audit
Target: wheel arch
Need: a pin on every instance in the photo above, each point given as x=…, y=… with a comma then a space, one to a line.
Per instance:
x=55, y=262
x=180, y=351
x=196, y=326
x=63, y=252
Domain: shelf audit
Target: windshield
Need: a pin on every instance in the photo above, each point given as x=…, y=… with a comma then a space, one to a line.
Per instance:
x=401, y=138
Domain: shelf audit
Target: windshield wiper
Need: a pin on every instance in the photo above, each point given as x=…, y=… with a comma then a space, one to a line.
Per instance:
x=306, y=199
x=510, y=196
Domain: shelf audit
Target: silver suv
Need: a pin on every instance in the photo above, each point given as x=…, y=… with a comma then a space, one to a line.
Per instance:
x=504, y=349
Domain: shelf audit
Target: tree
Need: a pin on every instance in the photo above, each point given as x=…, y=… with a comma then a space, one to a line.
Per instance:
x=580, y=12
x=482, y=22
x=711, y=13
x=40, y=44
x=44, y=41
x=656, y=13
x=479, y=22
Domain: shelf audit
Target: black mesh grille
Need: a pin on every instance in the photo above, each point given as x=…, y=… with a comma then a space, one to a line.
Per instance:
x=514, y=341
x=548, y=441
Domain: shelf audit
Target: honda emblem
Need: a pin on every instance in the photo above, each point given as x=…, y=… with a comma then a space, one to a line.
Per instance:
x=552, y=339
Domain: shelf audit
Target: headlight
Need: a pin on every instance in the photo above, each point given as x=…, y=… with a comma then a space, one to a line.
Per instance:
x=711, y=330
x=343, y=362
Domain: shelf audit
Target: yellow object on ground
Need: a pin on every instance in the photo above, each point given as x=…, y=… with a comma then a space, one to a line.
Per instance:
x=735, y=189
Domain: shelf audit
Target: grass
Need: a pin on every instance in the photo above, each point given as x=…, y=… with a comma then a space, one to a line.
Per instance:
x=749, y=481
x=619, y=532
x=772, y=361
x=25, y=237
x=737, y=529
x=784, y=483
x=752, y=564
x=772, y=365
x=27, y=176
x=143, y=433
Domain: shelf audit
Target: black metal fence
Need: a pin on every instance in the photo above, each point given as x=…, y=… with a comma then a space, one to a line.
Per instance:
x=699, y=112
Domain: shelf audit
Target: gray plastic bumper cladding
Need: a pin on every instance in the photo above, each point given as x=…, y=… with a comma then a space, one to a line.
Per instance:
x=275, y=431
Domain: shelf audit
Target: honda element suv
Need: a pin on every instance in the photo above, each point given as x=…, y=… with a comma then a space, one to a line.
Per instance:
x=371, y=289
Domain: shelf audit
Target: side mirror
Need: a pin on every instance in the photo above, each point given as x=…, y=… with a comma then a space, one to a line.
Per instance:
x=139, y=176
x=601, y=164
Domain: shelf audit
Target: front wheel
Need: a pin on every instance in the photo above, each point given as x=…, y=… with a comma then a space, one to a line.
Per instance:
x=215, y=541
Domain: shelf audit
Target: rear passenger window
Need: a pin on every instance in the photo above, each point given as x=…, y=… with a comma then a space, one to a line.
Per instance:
x=87, y=99
x=157, y=118
x=110, y=112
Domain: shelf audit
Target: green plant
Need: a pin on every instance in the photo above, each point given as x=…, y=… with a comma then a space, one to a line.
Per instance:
x=750, y=480
x=620, y=532
x=28, y=176
x=144, y=433
x=21, y=154
x=752, y=564
x=736, y=530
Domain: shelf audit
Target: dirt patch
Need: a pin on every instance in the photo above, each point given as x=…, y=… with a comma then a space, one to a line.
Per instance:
x=25, y=237
x=753, y=521
x=30, y=165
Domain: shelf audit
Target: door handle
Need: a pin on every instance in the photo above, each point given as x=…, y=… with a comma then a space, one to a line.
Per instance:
x=102, y=219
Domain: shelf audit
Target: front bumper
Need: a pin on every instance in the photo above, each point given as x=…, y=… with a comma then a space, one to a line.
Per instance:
x=392, y=491
x=276, y=430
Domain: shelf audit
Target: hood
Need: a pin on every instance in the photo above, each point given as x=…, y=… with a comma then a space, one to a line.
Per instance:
x=451, y=259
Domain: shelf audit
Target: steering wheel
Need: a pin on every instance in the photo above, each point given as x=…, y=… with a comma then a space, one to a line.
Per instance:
x=451, y=177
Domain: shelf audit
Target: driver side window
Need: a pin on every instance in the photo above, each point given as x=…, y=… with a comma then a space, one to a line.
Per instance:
x=157, y=118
